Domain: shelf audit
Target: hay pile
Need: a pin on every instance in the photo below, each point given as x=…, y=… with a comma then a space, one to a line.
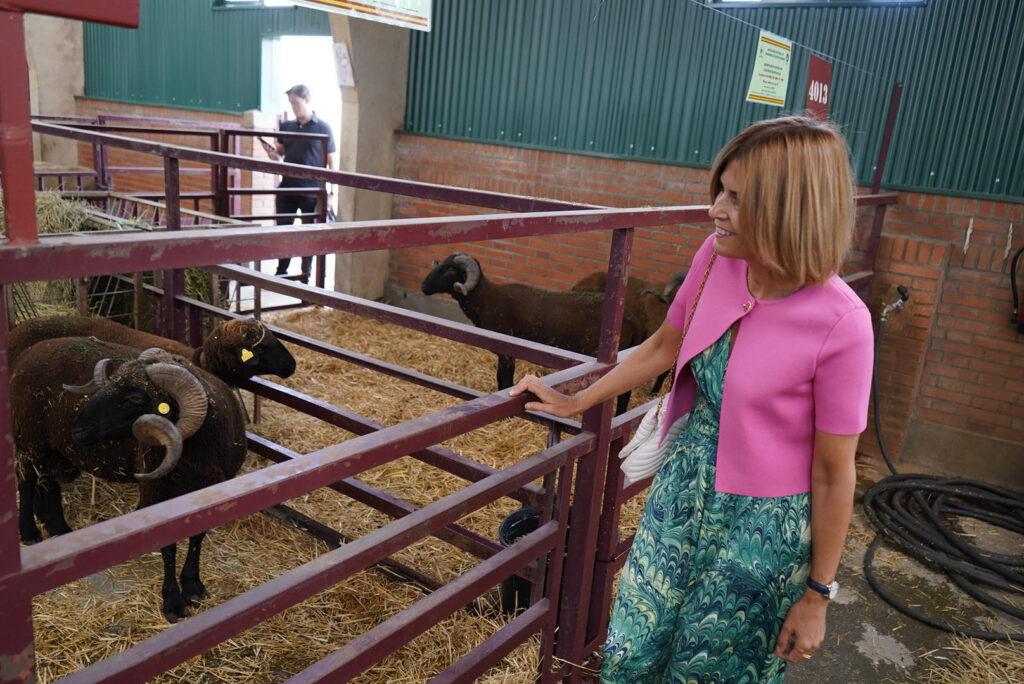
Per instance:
x=973, y=661
x=100, y=616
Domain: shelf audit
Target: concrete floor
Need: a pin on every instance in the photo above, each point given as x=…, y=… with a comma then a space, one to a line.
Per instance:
x=868, y=640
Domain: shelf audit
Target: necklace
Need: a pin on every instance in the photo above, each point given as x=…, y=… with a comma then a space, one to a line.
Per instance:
x=761, y=296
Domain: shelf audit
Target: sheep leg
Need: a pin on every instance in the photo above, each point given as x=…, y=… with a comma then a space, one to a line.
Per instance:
x=26, y=495
x=174, y=604
x=622, y=403
x=658, y=383
x=506, y=371
x=191, y=586
x=50, y=507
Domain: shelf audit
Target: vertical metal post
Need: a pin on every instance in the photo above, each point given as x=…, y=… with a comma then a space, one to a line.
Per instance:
x=219, y=179
x=174, y=280
x=16, y=142
x=878, y=221
x=573, y=628
x=17, y=657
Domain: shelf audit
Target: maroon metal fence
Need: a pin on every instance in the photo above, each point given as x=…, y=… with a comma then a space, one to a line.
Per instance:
x=575, y=467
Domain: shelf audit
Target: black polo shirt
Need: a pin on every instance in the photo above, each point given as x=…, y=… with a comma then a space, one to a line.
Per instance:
x=304, y=151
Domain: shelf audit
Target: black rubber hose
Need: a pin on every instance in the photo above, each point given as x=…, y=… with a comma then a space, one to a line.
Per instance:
x=1013, y=283
x=910, y=512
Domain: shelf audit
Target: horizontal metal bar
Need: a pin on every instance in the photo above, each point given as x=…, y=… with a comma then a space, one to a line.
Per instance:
x=335, y=539
x=480, y=198
x=456, y=535
x=482, y=658
x=60, y=560
x=181, y=641
x=542, y=354
x=107, y=252
x=877, y=198
x=370, y=647
x=457, y=465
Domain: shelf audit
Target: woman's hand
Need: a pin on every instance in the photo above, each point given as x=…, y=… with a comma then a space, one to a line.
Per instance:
x=555, y=403
x=804, y=628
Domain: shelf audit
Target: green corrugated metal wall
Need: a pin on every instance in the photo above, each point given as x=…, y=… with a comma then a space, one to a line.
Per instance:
x=665, y=80
x=187, y=54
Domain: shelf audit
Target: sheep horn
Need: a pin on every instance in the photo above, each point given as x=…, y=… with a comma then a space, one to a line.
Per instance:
x=654, y=293
x=99, y=379
x=186, y=390
x=153, y=429
x=472, y=268
x=150, y=354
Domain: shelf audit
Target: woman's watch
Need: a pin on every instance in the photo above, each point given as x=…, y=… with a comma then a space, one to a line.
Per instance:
x=829, y=591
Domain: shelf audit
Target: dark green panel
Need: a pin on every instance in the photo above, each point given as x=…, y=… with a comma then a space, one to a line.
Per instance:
x=187, y=54
x=665, y=80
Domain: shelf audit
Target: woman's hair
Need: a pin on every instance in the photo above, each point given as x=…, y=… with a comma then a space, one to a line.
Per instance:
x=796, y=202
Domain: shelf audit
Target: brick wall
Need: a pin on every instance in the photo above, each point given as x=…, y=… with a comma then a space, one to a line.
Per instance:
x=951, y=357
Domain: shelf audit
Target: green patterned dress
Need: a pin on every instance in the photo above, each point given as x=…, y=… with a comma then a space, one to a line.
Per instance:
x=710, y=576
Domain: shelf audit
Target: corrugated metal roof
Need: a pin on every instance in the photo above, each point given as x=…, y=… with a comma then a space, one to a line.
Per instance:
x=665, y=80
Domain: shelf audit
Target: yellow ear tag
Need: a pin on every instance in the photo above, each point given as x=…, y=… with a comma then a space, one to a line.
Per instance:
x=163, y=408
x=246, y=355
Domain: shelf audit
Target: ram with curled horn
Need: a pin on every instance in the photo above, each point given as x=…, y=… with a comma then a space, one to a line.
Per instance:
x=567, y=320
x=155, y=419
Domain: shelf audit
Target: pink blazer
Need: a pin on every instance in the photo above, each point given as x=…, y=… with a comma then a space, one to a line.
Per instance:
x=799, y=363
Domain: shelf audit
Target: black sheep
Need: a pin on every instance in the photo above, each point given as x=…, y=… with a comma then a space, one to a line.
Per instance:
x=158, y=421
x=567, y=320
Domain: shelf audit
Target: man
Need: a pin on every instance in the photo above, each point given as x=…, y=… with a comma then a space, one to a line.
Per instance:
x=300, y=151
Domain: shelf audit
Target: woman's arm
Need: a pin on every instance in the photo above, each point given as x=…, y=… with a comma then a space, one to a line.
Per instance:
x=656, y=354
x=833, y=481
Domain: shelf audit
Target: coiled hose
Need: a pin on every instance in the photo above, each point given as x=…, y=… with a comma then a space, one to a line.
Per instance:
x=911, y=510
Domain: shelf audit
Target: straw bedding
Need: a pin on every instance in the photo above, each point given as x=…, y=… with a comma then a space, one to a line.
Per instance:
x=102, y=615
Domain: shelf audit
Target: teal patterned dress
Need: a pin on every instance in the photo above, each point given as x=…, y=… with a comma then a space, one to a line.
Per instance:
x=710, y=576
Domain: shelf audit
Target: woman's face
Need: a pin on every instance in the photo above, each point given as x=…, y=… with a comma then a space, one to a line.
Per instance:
x=729, y=238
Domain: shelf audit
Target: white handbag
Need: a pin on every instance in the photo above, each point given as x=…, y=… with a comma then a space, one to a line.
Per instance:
x=643, y=455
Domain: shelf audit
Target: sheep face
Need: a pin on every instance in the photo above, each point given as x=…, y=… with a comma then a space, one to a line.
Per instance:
x=451, y=276
x=112, y=412
x=146, y=398
x=239, y=349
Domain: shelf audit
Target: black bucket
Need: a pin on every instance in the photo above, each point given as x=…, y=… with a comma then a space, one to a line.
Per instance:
x=515, y=591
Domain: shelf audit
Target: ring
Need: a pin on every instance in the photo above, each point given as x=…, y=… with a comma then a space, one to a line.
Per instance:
x=807, y=656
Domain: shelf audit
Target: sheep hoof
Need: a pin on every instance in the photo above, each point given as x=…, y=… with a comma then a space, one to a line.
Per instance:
x=175, y=608
x=31, y=536
x=194, y=592
x=55, y=530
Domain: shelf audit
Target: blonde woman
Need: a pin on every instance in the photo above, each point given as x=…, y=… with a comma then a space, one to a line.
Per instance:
x=735, y=558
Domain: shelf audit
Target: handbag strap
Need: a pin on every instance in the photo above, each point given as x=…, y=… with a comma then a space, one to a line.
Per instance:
x=689, y=319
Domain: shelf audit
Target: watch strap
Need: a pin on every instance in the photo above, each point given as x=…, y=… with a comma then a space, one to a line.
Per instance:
x=823, y=589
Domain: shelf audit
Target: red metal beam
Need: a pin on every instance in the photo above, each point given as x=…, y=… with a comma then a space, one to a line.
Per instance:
x=16, y=133
x=116, y=12
x=104, y=253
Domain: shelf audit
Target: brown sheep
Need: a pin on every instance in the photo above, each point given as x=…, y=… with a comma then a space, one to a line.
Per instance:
x=567, y=320
x=646, y=301
x=235, y=350
x=158, y=421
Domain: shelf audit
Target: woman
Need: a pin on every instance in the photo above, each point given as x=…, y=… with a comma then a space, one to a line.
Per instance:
x=734, y=560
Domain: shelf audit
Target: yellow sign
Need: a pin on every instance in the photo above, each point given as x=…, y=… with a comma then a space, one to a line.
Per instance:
x=414, y=14
x=770, y=79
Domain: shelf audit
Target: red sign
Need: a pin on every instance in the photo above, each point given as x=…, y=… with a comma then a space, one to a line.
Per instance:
x=819, y=87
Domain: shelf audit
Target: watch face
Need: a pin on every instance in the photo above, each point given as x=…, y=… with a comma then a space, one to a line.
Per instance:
x=833, y=589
